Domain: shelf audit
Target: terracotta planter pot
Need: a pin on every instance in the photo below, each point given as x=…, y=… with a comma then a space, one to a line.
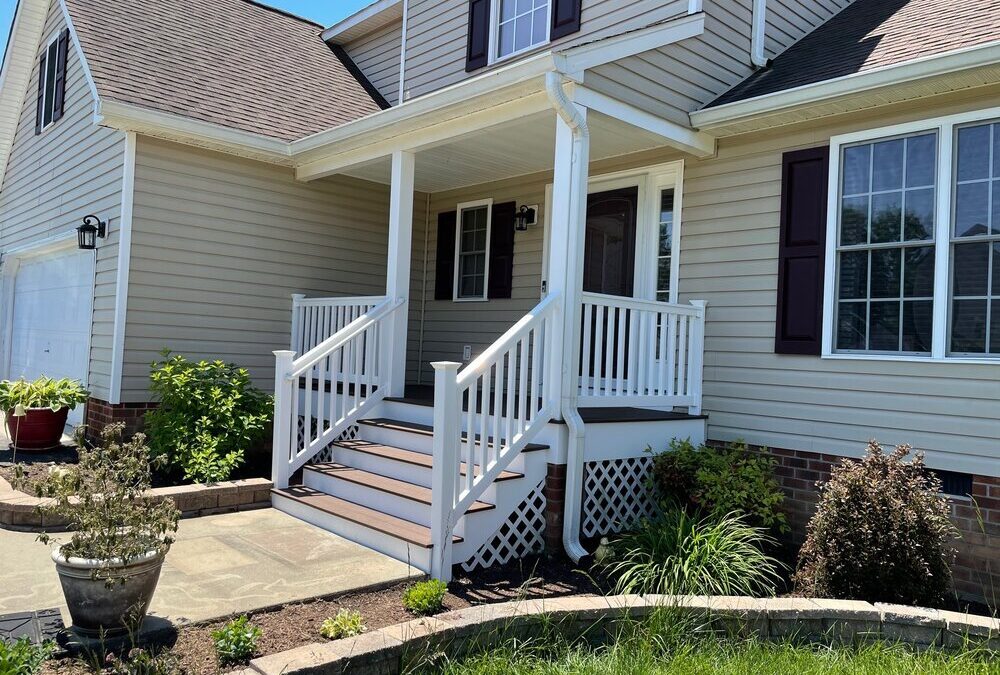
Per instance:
x=107, y=611
x=39, y=429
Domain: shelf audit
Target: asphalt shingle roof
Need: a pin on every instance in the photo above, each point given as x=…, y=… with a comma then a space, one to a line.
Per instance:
x=869, y=34
x=229, y=62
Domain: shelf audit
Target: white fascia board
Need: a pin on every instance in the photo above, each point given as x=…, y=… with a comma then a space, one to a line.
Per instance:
x=18, y=67
x=128, y=117
x=675, y=135
x=374, y=16
x=917, y=69
x=591, y=55
x=75, y=39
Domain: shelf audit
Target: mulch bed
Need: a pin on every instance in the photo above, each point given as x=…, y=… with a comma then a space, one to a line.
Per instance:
x=296, y=625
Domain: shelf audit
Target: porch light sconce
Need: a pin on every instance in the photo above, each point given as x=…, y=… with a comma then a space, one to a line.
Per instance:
x=87, y=234
x=523, y=218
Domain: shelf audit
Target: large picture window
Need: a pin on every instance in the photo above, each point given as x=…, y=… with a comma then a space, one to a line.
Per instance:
x=914, y=241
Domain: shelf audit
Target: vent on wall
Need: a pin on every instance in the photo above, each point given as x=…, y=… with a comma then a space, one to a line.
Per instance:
x=953, y=483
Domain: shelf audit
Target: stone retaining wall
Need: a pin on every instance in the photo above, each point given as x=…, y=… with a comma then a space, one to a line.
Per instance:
x=594, y=619
x=19, y=511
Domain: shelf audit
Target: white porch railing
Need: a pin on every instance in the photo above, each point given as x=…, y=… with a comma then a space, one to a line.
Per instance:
x=505, y=401
x=314, y=320
x=641, y=352
x=329, y=387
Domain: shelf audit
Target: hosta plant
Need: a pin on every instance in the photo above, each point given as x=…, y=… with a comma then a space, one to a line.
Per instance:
x=21, y=395
x=347, y=623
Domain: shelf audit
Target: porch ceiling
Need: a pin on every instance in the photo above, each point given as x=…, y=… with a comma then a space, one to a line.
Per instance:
x=516, y=148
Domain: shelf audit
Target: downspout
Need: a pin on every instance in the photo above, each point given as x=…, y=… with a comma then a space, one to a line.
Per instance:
x=568, y=398
x=402, y=53
x=758, y=32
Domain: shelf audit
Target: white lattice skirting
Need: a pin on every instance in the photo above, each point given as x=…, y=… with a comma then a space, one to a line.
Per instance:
x=616, y=495
x=326, y=454
x=522, y=534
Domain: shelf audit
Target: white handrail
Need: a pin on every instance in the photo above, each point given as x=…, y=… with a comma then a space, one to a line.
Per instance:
x=341, y=338
x=506, y=402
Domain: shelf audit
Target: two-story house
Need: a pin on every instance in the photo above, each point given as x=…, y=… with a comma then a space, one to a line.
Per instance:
x=499, y=247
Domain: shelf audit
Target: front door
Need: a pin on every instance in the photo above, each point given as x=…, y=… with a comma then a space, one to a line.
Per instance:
x=609, y=248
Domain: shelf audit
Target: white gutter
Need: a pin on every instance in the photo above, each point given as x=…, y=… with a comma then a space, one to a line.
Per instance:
x=758, y=34
x=568, y=400
x=370, y=18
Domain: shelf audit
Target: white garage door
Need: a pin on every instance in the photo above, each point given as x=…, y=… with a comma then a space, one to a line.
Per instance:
x=50, y=328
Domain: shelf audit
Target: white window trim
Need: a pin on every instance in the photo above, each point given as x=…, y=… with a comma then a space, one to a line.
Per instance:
x=464, y=206
x=44, y=83
x=494, y=57
x=945, y=127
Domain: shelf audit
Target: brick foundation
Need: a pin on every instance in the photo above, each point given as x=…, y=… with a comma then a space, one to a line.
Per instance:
x=100, y=414
x=555, y=501
x=977, y=568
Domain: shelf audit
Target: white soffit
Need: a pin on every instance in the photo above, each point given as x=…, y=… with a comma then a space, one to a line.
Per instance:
x=373, y=17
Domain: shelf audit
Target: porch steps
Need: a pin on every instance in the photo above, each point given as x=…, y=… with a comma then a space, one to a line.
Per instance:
x=428, y=430
x=410, y=457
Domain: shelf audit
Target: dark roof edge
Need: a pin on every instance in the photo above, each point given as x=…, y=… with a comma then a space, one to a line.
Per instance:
x=362, y=79
x=278, y=10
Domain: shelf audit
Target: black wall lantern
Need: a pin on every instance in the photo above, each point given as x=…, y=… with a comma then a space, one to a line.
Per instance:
x=87, y=234
x=524, y=217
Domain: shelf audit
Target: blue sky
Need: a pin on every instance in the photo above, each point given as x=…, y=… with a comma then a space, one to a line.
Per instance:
x=326, y=12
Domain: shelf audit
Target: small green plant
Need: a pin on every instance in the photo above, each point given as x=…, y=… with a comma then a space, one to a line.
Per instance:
x=347, y=623
x=106, y=503
x=22, y=657
x=21, y=395
x=676, y=554
x=425, y=597
x=721, y=480
x=236, y=642
x=142, y=662
x=881, y=533
x=208, y=418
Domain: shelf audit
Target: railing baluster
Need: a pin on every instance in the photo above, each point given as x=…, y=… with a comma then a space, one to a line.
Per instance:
x=358, y=357
x=470, y=437
x=661, y=377
x=682, y=340
x=498, y=389
x=484, y=418
x=511, y=395
x=672, y=356
x=522, y=389
x=334, y=391
x=623, y=321
x=642, y=361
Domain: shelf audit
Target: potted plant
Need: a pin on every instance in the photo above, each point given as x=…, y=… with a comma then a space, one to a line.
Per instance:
x=120, y=534
x=36, y=411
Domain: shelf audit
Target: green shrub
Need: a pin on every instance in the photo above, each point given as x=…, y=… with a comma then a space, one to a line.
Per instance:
x=347, y=623
x=22, y=657
x=20, y=395
x=677, y=554
x=142, y=662
x=236, y=642
x=425, y=597
x=209, y=416
x=715, y=480
x=881, y=533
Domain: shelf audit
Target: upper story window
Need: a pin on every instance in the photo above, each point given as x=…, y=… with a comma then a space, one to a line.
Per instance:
x=52, y=82
x=520, y=25
x=472, y=250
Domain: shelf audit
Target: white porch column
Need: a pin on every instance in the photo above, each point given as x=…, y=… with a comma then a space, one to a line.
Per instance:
x=398, y=266
x=565, y=265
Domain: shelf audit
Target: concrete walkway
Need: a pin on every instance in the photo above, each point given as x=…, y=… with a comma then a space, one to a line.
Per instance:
x=219, y=565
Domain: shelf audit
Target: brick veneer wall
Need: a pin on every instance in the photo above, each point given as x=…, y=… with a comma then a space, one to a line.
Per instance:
x=555, y=503
x=977, y=567
x=100, y=413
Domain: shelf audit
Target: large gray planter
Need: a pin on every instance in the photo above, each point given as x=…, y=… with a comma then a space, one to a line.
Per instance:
x=102, y=610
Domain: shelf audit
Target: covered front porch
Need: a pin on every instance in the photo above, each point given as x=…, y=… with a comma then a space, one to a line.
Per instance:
x=532, y=276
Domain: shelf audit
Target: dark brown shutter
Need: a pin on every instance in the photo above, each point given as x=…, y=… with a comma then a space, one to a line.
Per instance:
x=501, y=279
x=41, y=93
x=444, y=277
x=60, y=90
x=802, y=252
x=478, y=53
x=565, y=18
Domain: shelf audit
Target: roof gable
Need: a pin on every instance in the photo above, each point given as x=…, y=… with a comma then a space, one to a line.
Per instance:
x=234, y=63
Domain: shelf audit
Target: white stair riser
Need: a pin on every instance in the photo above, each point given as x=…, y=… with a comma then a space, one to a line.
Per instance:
x=412, y=441
x=417, y=556
x=407, y=412
x=385, y=502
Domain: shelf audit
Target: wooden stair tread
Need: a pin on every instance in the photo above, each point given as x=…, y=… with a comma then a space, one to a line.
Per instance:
x=416, y=493
x=427, y=430
x=413, y=457
x=405, y=530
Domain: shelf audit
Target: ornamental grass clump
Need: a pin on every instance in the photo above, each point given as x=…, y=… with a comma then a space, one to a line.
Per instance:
x=105, y=501
x=208, y=418
x=881, y=533
x=674, y=553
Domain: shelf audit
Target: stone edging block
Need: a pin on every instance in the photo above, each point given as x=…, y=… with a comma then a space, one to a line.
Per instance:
x=19, y=511
x=388, y=650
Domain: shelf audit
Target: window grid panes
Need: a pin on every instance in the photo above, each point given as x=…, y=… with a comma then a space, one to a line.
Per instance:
x=665, y=252
x=472, y=240
x=521, y=24
x=975, y=243
x=885, y=253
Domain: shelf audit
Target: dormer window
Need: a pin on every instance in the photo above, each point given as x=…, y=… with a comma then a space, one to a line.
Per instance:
x=52, y=82
x=520, y=25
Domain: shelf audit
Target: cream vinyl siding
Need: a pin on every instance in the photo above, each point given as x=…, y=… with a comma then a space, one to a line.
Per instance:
x=437, y=35
x=789, y=20
x=220, y=244
x=378, y=56
x=73, y=169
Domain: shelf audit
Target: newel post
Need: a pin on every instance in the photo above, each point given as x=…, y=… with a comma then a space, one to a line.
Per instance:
x=281, y=451
x=696, y=359
x=444, y=470
x=297, y=299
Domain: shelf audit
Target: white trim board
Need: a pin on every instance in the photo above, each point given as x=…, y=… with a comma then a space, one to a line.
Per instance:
x=124, y=263
x=488, y=203
x=75, y=39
